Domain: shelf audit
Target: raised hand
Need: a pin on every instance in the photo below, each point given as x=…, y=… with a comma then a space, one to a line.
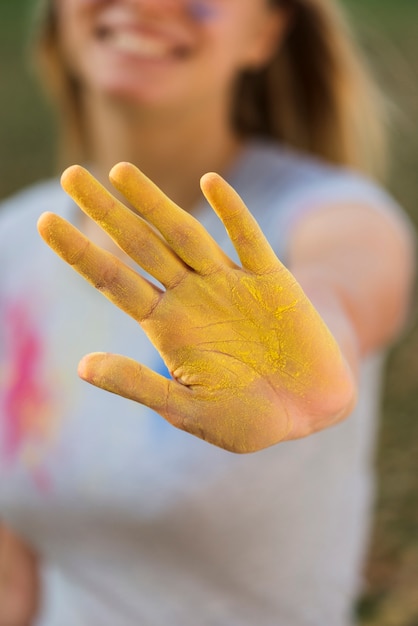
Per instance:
x=252, y=363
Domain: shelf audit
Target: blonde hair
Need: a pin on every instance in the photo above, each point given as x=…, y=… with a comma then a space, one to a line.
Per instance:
x=315, y=95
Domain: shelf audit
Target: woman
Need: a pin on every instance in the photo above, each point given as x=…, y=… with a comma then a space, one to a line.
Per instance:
x=134, y=521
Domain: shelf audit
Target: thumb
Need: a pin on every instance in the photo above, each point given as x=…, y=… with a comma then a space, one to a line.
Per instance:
x=128, y=378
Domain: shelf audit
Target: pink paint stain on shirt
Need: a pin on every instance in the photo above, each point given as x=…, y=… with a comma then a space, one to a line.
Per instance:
x=27, y=401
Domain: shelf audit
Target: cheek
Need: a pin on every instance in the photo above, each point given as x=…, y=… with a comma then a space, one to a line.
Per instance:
x=74, y=30
x=72, y=46
x=232, y=33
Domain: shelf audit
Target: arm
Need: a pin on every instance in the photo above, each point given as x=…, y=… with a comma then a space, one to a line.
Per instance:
x=365, y=259
x=356, y=264
x=19, y=584
x=252, y=361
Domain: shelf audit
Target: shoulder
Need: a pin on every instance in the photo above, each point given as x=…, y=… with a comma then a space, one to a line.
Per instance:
x=20, y=212
x=283, y=187
x=295, y=177
x=18, y=218
x=39, y=197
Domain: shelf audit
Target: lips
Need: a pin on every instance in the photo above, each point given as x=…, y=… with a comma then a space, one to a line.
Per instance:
x=122, y=28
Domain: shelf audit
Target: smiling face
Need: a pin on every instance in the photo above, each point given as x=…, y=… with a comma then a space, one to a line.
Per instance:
x=161, y=53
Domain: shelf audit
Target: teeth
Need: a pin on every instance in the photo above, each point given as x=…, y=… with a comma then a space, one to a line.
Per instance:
x=139, y=44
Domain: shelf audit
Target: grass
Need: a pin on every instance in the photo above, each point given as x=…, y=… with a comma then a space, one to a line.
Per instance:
x=388, y=32
x=26, y=128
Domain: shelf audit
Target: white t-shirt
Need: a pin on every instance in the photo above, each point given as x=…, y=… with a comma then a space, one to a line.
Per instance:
x=139, y=523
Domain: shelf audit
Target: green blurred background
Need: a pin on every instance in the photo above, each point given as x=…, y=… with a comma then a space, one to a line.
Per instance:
x=388, y=32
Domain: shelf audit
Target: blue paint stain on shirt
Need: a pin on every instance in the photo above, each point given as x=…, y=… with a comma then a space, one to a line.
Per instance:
x=161, y=368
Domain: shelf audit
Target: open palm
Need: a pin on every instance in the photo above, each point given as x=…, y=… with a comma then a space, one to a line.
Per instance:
x=249, y=356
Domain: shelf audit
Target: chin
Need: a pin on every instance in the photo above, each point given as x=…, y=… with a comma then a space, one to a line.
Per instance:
x=129, y=93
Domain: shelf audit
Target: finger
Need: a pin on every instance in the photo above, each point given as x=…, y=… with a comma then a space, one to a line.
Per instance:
x=184, y=234
x=119, y=283
x=253, y=249
x=128, y=230
x=125, y=377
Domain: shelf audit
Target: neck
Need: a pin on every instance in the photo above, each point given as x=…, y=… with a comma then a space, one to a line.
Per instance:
x=174, y=150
